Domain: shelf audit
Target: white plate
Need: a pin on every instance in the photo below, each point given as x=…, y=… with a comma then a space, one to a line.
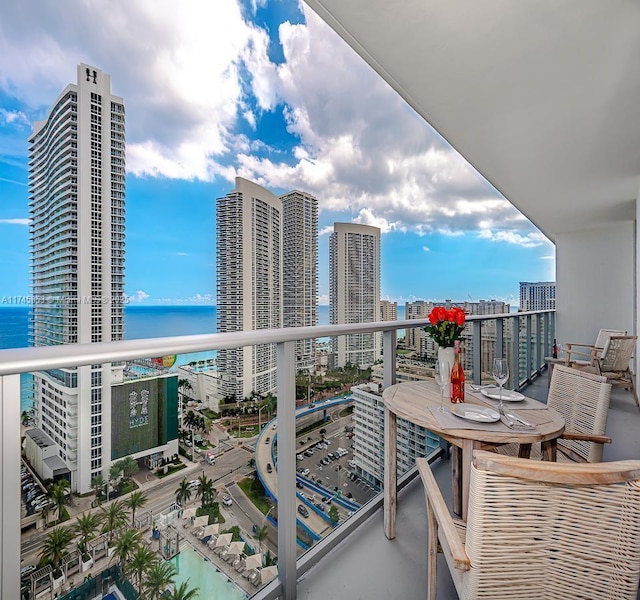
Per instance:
x=507, y=395
x=471, y=412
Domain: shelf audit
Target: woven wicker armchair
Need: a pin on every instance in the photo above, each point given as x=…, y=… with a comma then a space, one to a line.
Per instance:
x=539, y=530
x=613, y=363
x=583, y=400
x=584, y=354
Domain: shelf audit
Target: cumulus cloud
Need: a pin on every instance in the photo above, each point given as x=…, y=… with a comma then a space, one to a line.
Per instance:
x=530, y=240
x=194, y=78
x=426, y=249
x=138, y=296
x=15, y=221
x=14, y=117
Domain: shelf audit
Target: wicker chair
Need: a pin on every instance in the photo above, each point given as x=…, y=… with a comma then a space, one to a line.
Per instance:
x=583, y=400
x=613, y=363
x=539, y=530
x=583, y=354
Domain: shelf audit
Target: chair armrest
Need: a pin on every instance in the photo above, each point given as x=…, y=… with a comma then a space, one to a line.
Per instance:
x=587, y=437
x=446, y=527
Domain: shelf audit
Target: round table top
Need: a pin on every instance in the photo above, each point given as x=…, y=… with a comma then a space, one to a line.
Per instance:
x=413, y=400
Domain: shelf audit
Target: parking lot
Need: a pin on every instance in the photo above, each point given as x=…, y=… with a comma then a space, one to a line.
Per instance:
x=335, y=473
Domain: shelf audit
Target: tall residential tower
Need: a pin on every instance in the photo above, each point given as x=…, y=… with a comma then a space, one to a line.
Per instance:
x=76, y=200
x=300, y=269
x=354, y=288
x=249, y=284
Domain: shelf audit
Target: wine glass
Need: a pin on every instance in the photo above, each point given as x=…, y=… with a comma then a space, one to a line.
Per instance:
x=442, y=374
x=500, y=375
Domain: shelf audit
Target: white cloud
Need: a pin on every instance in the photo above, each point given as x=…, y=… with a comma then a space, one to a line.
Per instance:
x=323, y=299
x=191, y=76
x=326, y=231
x=14, y=117
x=15, y=221
x=182, y=254
x=548, y=257
x=426, y=249
x=138, y=296
x=530, y=240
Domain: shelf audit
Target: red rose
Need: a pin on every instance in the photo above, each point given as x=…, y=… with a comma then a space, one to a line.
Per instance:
x=451, y=314
x=459, y=317
x=432, y=317
x=440, y=313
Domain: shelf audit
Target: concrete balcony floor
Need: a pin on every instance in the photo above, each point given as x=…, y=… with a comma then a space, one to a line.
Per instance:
x=368, y=566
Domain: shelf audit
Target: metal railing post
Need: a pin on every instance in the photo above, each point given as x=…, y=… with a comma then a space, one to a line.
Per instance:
x=539, y=353
x=515, y=354
x=10, y=486
x=528, y=348
x=287, y=469
x=477, y=352
x=389, y=342
x=500, y=338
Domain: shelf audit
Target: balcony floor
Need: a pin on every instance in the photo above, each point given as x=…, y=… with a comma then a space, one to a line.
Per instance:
x=368, y=566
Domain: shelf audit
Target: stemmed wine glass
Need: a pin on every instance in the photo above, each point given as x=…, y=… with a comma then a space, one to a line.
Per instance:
x=500, y=375
x=442, y=374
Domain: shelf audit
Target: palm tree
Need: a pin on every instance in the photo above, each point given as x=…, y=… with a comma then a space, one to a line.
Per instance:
x=129, y=467
x=54, y=546
x=115, y=470
x=261, y=535
x=58, y=494
x=86, y=525
x=115, y=517
x=126, y=545
x=183, y=592
x=159, y=576
x=206, y=490
x=140, y=561
x=183, y=493
x=45, y=511
x=136, y=500
x=97, y=485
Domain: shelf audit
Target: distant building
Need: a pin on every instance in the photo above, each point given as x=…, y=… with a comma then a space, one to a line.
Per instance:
x=540, y=295
x=368, y=453
x=354, y=290
x=77, y=209
x=388, y=310
x=300, y=269
x=419, y=309
x=249, y=285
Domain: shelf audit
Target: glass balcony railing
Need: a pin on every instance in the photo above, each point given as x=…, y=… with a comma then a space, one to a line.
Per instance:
x=300, y=541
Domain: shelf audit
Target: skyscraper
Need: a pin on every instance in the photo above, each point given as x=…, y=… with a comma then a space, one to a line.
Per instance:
x=354, y=289
x=300, y=269
x=76, y=200
x=540, y=295
x=249, y=284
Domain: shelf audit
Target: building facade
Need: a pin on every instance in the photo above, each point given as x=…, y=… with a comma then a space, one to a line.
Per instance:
x=300, y=270
x=354, y=290
x=249, y=285
x=77, y=203
x=540, y=295
x=388, y=310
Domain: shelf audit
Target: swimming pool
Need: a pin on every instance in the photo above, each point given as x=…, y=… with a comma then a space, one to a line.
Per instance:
x=203, y=574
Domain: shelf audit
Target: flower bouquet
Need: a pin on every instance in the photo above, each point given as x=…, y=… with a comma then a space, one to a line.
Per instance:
x=446, y=325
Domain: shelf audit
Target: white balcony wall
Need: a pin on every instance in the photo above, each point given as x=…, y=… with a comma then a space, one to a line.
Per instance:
x=595, y=275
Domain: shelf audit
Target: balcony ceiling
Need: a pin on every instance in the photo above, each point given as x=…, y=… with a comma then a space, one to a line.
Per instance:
x=541, y=97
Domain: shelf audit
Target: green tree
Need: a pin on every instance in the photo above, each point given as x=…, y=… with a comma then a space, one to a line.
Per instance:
x=126, y=545
x=114, y=517
x=135, y=501
x=129, y=467
x=183, y=592
x=261, y=535
x=86, y=526
x=115, y=471
x=58, y=494
x=97, y=485
x=25, y=418
x=206, y=490
x=159, y=576
x=54, y=546
x=183, y=493
x=140, y=562
x=334, y=515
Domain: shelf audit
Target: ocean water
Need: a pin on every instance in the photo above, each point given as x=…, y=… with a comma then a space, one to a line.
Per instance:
x=140, y=322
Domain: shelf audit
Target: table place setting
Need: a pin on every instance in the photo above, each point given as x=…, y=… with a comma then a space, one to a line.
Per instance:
x=490, y=395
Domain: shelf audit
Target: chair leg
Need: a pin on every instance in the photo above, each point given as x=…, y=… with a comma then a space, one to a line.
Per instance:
x=432, y=551
x=633, y=390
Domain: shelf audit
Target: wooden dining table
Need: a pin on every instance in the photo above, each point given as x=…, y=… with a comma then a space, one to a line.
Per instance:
x=415, y=401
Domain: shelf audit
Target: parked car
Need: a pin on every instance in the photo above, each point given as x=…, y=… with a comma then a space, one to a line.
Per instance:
x=303, y=510
x=194, y=484
x=270, y=468
x=227, y=501
x=274, y=426
x=267, y=440
x=320, y=506
x=304, y=473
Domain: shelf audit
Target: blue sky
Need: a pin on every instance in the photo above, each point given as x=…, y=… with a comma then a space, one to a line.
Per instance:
x=265, y=90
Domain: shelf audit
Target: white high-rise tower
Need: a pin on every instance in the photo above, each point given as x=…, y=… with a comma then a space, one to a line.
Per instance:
x=354, y=288
x=300, y=269
x=249, y=284
x=76, y=199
